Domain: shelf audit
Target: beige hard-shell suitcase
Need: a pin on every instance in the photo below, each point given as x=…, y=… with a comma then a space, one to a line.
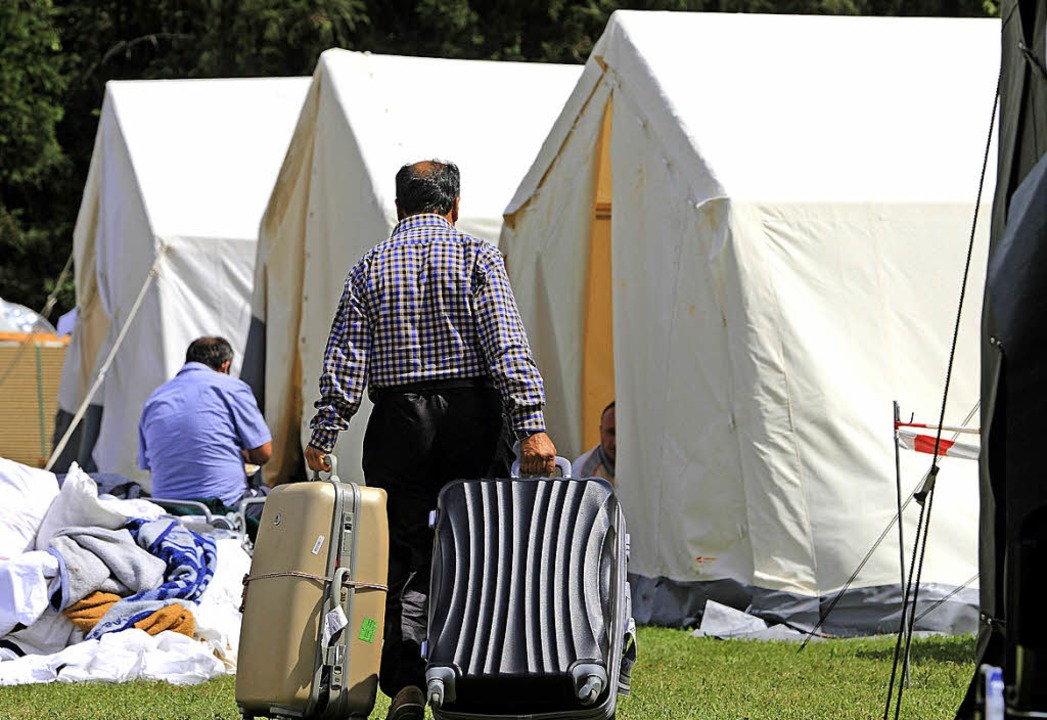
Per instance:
x=314, y=603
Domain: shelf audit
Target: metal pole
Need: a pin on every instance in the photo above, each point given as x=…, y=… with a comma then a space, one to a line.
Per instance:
x=906, y=677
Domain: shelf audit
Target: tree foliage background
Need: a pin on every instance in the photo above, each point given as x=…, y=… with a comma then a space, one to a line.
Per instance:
x=57, y=55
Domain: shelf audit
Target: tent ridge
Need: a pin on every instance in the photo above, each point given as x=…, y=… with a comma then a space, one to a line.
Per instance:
x=558, y=137
x=641, y=85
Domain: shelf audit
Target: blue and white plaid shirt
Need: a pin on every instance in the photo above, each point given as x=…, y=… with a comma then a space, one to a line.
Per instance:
x=429, y=303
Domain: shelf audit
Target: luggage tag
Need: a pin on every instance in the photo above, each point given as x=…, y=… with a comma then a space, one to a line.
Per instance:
x=334, y=622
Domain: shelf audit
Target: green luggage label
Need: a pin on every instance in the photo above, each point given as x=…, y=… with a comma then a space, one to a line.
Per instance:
x=367, y=629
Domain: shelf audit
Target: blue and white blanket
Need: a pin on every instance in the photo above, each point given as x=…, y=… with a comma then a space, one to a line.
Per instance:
x=190, y=559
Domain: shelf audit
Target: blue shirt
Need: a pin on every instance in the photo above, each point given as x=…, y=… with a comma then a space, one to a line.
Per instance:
x=429, y=303
x=192, y=431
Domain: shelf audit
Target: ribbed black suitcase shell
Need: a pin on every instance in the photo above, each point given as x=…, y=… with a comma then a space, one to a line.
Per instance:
x=529, y=606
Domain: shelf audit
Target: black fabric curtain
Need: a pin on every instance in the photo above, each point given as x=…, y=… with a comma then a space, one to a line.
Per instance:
x=1013, y=532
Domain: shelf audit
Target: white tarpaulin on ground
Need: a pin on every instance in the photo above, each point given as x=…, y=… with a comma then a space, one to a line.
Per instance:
x=790, y=200
x=178, y=182
x=365, y=116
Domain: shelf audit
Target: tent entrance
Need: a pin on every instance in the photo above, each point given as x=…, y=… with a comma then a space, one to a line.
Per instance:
x=598, y=344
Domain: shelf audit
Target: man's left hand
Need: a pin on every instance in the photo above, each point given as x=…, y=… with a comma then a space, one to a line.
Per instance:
x=537, y=455
x=316, y=459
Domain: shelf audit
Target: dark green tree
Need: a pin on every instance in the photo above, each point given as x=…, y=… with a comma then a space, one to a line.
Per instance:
x=565, y=30
x=32, y=88
x=57, y=55
x=54, y=70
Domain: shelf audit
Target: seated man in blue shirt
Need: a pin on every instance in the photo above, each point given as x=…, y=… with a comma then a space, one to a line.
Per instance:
x=198, y=428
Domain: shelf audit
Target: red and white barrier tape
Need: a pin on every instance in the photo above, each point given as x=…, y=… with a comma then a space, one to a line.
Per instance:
x=912, y=440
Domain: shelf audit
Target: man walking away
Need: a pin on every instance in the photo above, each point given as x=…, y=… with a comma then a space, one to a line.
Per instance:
x=428, y=323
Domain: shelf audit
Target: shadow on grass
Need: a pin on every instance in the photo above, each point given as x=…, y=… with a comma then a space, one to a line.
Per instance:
x=927, y=649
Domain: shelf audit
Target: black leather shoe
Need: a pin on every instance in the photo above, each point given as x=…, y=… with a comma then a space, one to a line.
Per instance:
x=409, y=704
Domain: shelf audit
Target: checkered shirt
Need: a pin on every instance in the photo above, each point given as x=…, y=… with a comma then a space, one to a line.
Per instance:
x=429, y=303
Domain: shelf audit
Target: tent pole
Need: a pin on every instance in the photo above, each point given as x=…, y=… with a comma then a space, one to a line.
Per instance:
x=40, y=401
x=906, y=678
x=908, y=586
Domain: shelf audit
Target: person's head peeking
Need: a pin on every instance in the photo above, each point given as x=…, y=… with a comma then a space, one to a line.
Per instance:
x=607, y=437
x=214, y=352
x=429, y=186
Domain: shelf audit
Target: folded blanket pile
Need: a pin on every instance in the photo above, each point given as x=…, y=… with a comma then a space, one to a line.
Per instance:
x=190, y=559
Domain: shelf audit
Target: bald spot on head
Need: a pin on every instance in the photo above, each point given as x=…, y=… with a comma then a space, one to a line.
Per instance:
x=422, y=169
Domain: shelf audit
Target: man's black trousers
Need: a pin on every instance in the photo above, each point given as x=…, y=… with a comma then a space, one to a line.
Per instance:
x=419, y=438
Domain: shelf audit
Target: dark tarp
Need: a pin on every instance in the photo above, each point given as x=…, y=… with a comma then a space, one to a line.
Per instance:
x=1014, y=362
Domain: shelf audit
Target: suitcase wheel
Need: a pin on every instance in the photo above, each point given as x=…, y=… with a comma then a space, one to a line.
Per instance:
x=440, y=686
x=589, y=682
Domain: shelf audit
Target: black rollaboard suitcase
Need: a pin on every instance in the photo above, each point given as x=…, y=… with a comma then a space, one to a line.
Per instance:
x=529, y=610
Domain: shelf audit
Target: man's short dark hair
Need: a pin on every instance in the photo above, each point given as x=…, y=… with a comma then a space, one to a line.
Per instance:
x=211, y=351
x=428, y=187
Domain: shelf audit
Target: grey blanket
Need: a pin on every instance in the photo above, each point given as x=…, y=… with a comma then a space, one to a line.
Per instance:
x=92, y=558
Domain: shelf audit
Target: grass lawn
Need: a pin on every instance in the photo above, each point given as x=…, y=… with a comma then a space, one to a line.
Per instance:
x=676, y=676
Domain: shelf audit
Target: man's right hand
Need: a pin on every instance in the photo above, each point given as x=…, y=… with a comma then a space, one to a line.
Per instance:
x=316, y=459
x=537, y=455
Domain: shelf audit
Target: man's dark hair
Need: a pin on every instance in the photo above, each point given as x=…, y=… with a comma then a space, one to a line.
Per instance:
x=211, y=351
x=428, y=187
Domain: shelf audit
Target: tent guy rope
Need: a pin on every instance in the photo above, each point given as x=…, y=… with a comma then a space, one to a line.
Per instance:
x=100, y=377
x=902, y=505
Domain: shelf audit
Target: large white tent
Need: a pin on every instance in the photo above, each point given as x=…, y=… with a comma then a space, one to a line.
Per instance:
x=365, y=116
x=751, y=231
x=164, y=244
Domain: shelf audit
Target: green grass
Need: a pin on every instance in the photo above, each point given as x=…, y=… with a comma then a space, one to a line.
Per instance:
x=676, y=677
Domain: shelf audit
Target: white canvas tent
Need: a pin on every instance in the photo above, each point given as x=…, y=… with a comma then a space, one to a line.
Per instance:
x=365, y=116
x=164, y=244
x=750, y=231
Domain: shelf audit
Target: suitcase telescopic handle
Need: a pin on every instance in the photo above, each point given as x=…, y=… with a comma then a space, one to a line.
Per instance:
x=561, y=462
x=332, y=469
